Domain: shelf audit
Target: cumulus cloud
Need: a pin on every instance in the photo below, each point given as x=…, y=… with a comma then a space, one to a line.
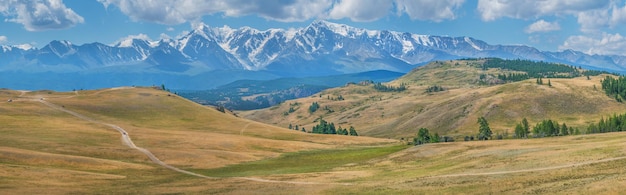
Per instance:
x=604, y=44
x=435, y=10
x=164, y=36
x=3, y=39
x=25, y=46
x=361, y=10
x=128, y=40
x=490, y=10
x=40, y=15
x=542, y=26
x=180, y=11
x=619, y=15
x=140, y=36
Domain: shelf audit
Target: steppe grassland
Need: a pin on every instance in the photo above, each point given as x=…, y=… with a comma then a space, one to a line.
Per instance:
x=46, y=150
x=454, y=112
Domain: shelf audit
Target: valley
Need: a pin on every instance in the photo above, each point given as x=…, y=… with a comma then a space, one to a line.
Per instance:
x=144, y=140
x=325, y=97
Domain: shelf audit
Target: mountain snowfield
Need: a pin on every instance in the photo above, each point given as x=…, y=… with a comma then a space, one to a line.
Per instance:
x=320, y=49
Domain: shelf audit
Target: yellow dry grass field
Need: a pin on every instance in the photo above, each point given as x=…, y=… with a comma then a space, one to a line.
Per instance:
x=453, y=112
x=45, y=150
x=40, y=140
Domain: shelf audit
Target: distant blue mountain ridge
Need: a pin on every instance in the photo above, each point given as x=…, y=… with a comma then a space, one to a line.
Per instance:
x=208, y=57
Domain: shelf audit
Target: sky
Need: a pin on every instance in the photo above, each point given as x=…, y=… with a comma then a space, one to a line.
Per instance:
x=589, y=26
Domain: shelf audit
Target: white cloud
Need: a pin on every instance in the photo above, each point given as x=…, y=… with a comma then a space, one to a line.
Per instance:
x=490, y=10
x=604, y=44
x=24, y=46
x=435, y=10
x=3, y=39
x=39, y=15
x=542, y=26
x=169, y=29
x=180, y=11
x=619, y=15
x=128, y=40
x=361, y=10
x=182, y=34
x=164, y=36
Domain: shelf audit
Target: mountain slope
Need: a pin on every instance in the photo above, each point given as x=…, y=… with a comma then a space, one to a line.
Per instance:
x=453, y=112
x=320, y=49
x=256, y=94
x=44, y=149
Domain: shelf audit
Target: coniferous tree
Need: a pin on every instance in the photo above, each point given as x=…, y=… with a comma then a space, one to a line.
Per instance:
x=423, y=136
x=564, y=129
x=519, y=131
x=526, y=127
x=353, y=131
x=314, y=106
x=549, y=83
x=435, y=138
x=484, y=132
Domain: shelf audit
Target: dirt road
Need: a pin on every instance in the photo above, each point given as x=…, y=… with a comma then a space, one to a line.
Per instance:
x=125, y=138
x=129, y=142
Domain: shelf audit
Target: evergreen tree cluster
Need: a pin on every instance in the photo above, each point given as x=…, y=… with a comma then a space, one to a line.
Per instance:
x=532, y=68
x=614, y=123
x=338, y=98
x=292, y=108
x=434, y=88
x=297, y=128
x=385, y=88
x=522, y=130
x=594, y=72
x=314, y=106
x=615, y=88
x=548, y=128
x=513, y=77
x=424, y=137
x=329, y=128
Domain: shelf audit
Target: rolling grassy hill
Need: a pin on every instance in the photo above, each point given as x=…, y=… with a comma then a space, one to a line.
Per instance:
x=575, y=101
x=43, y=149
x=256, y=94
x=48, y=150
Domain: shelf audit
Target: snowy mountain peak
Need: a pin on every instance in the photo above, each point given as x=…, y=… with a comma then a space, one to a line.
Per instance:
x=62, y=43
x=133, y=42
x=341, y=29
x=6, y=48
x=321, y=48
x=471, y=42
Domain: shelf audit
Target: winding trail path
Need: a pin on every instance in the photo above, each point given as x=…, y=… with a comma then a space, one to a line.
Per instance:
x=129, y=142
x=125, y=138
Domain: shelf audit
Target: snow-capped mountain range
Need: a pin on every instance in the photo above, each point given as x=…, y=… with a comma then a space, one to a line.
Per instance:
x=322, y=48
